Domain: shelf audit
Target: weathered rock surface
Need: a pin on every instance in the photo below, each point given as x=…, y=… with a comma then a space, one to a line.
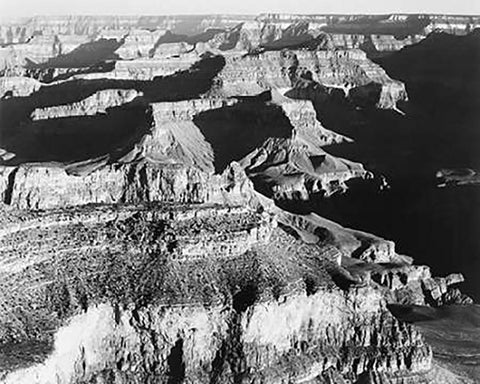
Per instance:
x=449, y=330
x=18, y=86
x=44, y=187
x=353, y=72
x=97, y=103
x=139, y=43
x=257, y=322
x=288, y=169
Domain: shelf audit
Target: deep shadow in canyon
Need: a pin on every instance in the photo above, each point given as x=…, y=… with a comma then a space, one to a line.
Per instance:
x=235, y=131
x=70, y=139
x=85, y=55
x=437, y=226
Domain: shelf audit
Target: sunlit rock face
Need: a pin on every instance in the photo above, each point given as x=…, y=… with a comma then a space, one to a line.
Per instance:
x=173, y=271
x=97, y=103
x=352, y=71
x=251, y=75
x=18, y=86
x=373, y=44
x=139, y=43
x=154, y=174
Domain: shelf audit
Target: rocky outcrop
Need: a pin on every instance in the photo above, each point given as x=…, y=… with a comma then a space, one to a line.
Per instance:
x=388, y=43
x=143, y=69
x=18, y=86
x=349, y=243
x=405, y=283
x=146, y=55
x=38, y=49
x=453, y=24
x=97, y=103
x=401, y=24
x=457, y=177
x=164, y=328
x=62, y=34
x=352, y=71
x=372, y=44
x=43, y=187
x=287, y=169
x=138, y=43
x=176, y=138
x=195, y=357
x=20, y=30
x=448, y=329
x=306, y=127
x=182, y=134
x=254, y=74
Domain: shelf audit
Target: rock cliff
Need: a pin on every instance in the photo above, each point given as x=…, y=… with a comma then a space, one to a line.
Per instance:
x=220, y=323
x=97, y=103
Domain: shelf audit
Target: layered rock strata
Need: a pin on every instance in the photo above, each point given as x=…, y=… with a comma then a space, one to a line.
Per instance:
x=354, y=73
x=178, y=324
x=97, y=103
x=135, y=245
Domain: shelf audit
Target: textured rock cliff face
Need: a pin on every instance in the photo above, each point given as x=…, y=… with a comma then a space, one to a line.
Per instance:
x=43, y=187
x=287, y=169
x=145, y=53
x=139, y=43
x=141, y=233
x=18, y=86
x=200, y=292
x=401, y=25
x=39, y=49
x=349, y=70
x=306, y=127
x=97, y=103
x=253, y=74
x=352, y=71
x=455, y=25
x=20, y=30
x=177, y=138
x=373, y=43
x=266, y=321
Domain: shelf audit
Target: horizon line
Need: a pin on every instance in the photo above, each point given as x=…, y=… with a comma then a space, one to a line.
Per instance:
x=242, y=14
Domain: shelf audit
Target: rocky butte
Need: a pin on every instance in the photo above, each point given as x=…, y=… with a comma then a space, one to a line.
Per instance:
x=153, y=174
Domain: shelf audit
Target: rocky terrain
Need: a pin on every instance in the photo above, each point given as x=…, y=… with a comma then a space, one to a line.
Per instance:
x=157, y=176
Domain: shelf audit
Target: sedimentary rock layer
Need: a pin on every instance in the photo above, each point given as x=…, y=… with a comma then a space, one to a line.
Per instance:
x=212, y=324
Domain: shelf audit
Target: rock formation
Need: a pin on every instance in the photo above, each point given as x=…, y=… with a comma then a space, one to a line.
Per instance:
x=97, y=103
x=144, y=162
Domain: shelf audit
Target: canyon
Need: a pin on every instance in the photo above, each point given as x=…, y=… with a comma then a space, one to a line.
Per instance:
x=207, y=199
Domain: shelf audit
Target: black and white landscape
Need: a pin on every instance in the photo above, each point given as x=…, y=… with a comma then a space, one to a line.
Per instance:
x=275, y=198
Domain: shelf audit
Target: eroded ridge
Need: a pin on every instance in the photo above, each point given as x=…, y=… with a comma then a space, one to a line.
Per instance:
x=210, y=279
